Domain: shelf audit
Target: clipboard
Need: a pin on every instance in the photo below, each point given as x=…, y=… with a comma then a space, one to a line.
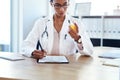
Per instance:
x=54, y=60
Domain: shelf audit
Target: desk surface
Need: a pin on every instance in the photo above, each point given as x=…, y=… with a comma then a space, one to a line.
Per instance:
x=79, y=68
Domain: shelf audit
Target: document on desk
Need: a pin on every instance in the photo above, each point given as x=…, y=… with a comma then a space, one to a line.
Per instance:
x=112, y=54
x=11, y=56
x=112, y=62
x=53, y=59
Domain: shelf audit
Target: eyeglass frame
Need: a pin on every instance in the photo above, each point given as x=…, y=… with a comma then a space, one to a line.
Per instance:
x=58, y=6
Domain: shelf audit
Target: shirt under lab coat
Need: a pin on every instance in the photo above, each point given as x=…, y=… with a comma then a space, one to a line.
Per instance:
x=43, y=30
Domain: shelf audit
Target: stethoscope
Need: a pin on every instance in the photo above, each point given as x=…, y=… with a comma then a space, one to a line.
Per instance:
x=45, y=32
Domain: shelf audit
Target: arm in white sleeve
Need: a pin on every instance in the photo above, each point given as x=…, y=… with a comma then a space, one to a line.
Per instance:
x=87, y=46
x=29, y=44
x=86, y=42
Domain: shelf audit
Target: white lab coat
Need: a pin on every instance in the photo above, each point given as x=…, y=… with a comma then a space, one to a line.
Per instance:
x=67, y=44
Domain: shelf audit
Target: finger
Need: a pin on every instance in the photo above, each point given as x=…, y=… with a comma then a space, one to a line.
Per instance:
x=45, y=53
x=76, y=27
x=38, y=54
x=72, y=34
x=41, y=56
x=39, y=51
x=36, y=51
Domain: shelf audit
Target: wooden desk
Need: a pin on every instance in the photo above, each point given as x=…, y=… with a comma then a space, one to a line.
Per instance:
x=79, y=68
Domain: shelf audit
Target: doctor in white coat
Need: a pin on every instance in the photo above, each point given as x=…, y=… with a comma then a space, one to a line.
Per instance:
x=56, y=36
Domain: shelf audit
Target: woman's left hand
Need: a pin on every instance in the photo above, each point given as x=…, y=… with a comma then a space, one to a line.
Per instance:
x=73, y=31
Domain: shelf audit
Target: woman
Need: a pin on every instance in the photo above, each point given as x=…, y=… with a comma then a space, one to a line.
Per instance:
x=56, y=36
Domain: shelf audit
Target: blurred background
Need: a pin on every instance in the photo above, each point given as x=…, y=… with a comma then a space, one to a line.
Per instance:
x=100, y=17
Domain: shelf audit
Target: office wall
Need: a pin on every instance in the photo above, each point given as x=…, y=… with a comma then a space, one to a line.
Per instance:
x=32, y=10
x=71, y=8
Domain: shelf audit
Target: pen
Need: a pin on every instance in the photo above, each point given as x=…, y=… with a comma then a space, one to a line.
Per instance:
x=41, y=47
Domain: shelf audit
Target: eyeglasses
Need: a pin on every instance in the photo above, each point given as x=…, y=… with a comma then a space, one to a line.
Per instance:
x=58, y=6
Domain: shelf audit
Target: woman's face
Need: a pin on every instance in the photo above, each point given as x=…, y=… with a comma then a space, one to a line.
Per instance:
x=60, y=7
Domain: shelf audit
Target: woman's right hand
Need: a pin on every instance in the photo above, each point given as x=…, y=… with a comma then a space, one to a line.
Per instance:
x=38, y=54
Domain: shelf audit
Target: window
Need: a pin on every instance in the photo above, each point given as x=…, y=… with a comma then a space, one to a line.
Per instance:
x=4, y=25
x=102, y=7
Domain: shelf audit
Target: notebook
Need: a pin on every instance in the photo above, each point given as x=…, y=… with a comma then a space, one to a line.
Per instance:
x=53, y=59
x=11, y=56
x=112, y=54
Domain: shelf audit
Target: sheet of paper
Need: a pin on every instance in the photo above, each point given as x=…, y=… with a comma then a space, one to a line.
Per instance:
x=112, y=54
x=112, y=62
x=53, y=59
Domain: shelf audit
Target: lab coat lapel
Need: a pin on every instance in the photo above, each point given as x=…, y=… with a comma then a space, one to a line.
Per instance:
x=63, y=32
x=51, y=35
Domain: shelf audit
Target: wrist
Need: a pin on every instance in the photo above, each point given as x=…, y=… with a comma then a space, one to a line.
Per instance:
x=79, y=40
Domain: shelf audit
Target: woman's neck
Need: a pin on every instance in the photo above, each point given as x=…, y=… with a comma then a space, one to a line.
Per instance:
x=58, y=22
x=59, y=18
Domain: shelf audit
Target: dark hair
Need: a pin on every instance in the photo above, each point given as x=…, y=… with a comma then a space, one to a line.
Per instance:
x=52, y=0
